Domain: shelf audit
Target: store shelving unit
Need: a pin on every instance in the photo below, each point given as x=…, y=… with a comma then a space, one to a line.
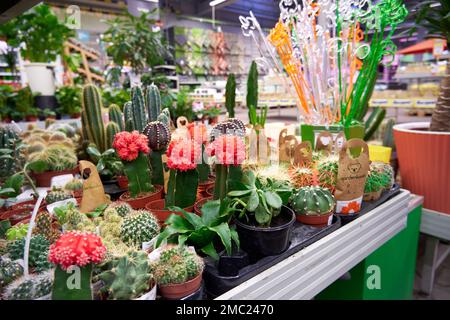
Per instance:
x=6, y=76
x=306, y=273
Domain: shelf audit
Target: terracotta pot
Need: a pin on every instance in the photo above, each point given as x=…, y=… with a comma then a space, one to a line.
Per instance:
x=140, y=202
x=371, y=196
x=44, y=179
x=31, y=118
x=203, y=187
x=16, y=215
x=424, y=158
x=177, y=291
x=157, y=208
x=319, y=220
x=122, y=181
x=77, y=193
x=210, y=191
x=75, y=115
x=198, y=205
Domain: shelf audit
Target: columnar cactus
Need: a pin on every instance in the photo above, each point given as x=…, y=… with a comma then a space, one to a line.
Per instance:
x=38, y=252
x=9, y=271
x=91, y=116
x=138, y=227
x=111, y=130
x=138, y=109
x=153, y=102
x=30, y=287
x=116, y=116
x=230, y=95
x=128, y=116
x=312, y=200
x=252, y=86
x=128, y=276
x=56, y=194
x=9, y=140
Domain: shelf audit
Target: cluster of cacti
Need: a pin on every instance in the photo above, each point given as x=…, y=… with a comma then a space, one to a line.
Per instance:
x=30, y=287
x=110, y=226
x=138, y=227
x=301, y=176
x=56, y=157
x=10, y=143
x=9, y=271
x=77, y=221
x=57, y=194
x=93, y=127
x=380, y=177
x=127, y=277
x=177, y=264
x=44, y=226
x=122, y=208
x=230, y=95
x=327, y=170
x=74, y=185
x=38, y=252
x=312, y=200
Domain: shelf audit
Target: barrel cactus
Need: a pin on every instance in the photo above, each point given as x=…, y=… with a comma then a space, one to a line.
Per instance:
x=301, y=176
x=30, y=287
x=74, y=185
x=57, y=194
x=138, y=227
x=313, y=200
x=121, y=208
x=231, y=127
x=158, y=135
x=9, y=271
x=43, y=226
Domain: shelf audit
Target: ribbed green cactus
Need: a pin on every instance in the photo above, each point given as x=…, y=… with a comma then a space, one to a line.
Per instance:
x=153, y=102
x=116, y=115
x=128, y=116
x=9, y=142
x=30, y=287
x=252, y=86
x=164, y=117
x=9, y=271
x=128, y=277
x=158, y=135
x=138, y=227
x=312, y=200
x=111, y=130
x=388, y=138
x=91, y=116
x=122, y=208
x=38, y=253
x=182, y=188
x=138, y=109
x=56, y=194
x=230, y=95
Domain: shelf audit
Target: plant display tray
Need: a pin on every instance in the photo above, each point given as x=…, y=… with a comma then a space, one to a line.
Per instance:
x=301, y=237
x=370, y=205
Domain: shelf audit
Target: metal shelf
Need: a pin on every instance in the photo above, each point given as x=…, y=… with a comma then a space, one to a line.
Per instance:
x=306, y=273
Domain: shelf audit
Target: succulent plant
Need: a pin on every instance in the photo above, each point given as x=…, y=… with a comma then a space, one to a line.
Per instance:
x=30, y=287
x=177, y=264
x=312, y=200
x=122, y=208
x=327, y=170
x=9, y=271
x=380, y=177
x=230, y=127
x=57, y=194
x=74, y=185
x=158, y=135
x=301, y=176
x=128, y=277
x=44, y=227
x=138, y=227
x=17, y=231
x=57, y=157
x=77, y=221
x=38, y=252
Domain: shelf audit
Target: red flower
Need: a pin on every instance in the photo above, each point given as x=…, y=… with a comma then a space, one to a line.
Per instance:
x=129, y=144
x=352, y=207
x=228, y=150
x=198, y=132
x=183, y=154
x=77, y=248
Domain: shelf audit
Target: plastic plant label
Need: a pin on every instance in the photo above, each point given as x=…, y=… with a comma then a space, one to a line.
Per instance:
x=330, y=220
x=60, y=181
x=51, y=207
x=349, y=206
x=146, y=246
x=151, y=295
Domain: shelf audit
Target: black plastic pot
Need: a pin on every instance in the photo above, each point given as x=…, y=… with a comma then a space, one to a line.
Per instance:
x=229, y=266
x=261, y=242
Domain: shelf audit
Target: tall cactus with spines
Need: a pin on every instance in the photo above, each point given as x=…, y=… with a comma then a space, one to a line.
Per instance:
x=91, y=116
x=153, y=102
x=252, y=86
x=128, y=116
x=112, y=129
x=9, y=141
x=116, y=116
x=230, y=95
x=313, y=200
x=138, y=109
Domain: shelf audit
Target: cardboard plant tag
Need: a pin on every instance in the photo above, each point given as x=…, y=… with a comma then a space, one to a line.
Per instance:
x=303, y=154
x=352, y=174
x=339, y=141
x=93, y=191
x=286, y=145
x=324, y=142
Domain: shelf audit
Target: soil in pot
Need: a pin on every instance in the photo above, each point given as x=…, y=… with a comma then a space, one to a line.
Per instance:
x=158, y=208
x=180, y=290
x=198, y=205
x=141, y=201
x=317, y=220
x=260, y=242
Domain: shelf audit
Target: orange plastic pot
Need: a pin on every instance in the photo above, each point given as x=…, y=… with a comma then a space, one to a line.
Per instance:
x=44, y=179
x=317, y=220
x=180, y=290
x=157, y=207
x=141, y=202
x=424, y=158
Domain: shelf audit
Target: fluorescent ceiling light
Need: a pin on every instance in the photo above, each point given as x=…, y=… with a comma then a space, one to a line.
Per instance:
x=216, y=2
x=156, y=1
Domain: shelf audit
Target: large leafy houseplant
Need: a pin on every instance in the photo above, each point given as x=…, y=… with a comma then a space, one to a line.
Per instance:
x=69, y=99
x=436, y=19
x=108, y=163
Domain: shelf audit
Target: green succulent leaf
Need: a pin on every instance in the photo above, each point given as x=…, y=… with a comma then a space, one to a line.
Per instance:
x=273, y=199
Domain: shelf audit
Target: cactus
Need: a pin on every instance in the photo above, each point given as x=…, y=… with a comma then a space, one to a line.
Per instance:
x=111, y=130
x=57, y=194
x=91, y=116
x=77, y=221
x=230, y=95
x=252, y=86
x=74, y=185
x=158, y=135
x=388, y=138
x=177, y=264
x=39, y=246
x=122, y=208
x=327, y=170
x=153, y=102
x=56, y=157
x=30, y=287
x=203, y=168
x=138, y=109
x=116, y=116
x=9, y=271
x=230, y=127
x=380, y=177
x=312, y=200
x=9, y=141
x=43, y=226
x=164, y=117
x=138, y=227
x=128, y=276
x=128, y=116
x=301, y=176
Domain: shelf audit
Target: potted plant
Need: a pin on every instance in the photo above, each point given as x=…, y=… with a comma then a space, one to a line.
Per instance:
x=69, y=101
x=178, y=272
x=32, y=115
x=212, y=112
x=109, y=165
x=262, y=221
x=138, y=228
x=380, y=178
x=182, y=158
x=132, y=148
x=24, y=104
x=423, y=148
x=128, y=277
x=313, y=205
x=49, y=114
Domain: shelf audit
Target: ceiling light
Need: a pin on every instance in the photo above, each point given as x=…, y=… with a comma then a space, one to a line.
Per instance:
x=216, y=2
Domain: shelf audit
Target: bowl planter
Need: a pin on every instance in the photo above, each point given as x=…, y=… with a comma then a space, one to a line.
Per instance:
x=198, y=205
x=157, y=207
x=180, y=290
x=318, y=220
x=141, y=202
x=259, y=242
x=44, y=179
x=424, y=158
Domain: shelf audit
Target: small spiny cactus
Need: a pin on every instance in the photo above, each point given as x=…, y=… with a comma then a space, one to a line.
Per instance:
x=312, y=201
x=138, y=227
x=158, y=135
x=57, y=194
x=9, y=271
x=122, y=208
x=38, y=252
x=30, y=287
x=327, y=170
